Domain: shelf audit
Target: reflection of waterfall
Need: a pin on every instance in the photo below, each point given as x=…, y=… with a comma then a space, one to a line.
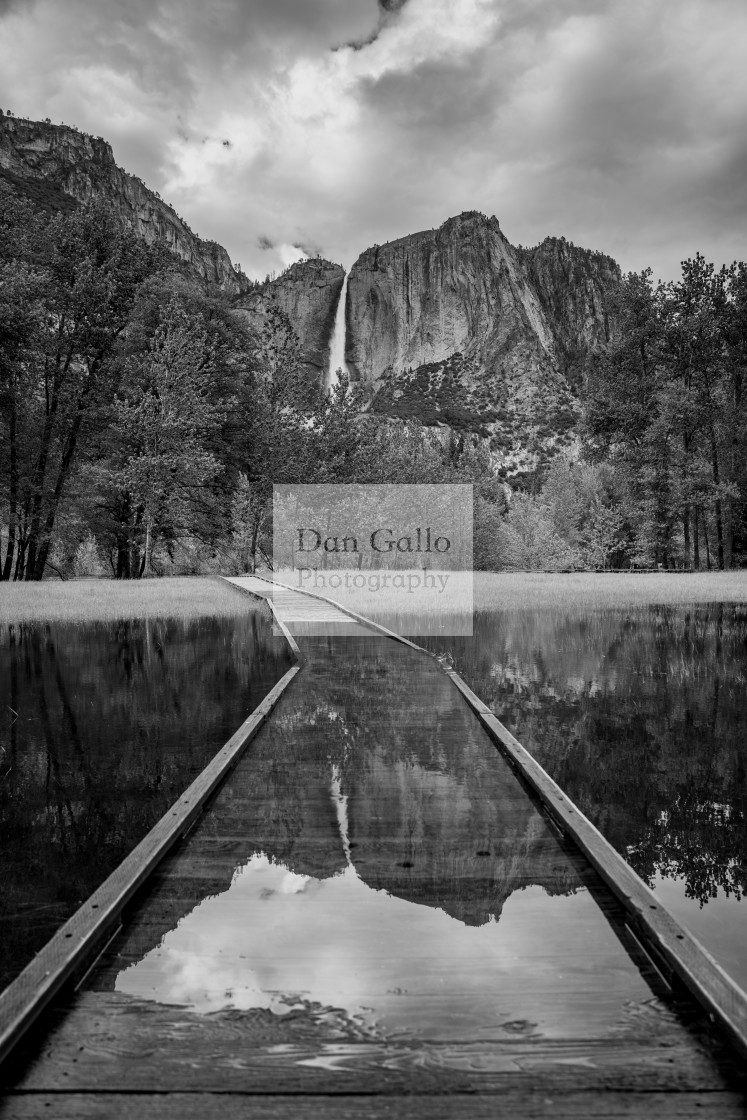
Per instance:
x=341, y=806
x=337, y=342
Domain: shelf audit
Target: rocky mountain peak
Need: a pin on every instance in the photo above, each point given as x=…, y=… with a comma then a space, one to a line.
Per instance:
x=42, y=147
x=307, y=292
x=58, y=166
x=455, y=326
x=424, y=298
x=574, y=286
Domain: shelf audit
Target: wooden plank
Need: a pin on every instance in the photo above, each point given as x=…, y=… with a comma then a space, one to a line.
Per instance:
x=83, y=934
x=286, y=632
x=107, y=1040
x=292, y=609
x=650, y=920
x=524, y=1105
x=353, y=614
x=303, y=613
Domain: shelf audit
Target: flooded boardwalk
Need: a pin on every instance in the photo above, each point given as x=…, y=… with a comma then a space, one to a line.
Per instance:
x=373, y=917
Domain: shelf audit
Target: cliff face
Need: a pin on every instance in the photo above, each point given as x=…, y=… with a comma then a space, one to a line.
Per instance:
x=574, y=287
x=77, y=166
x=307, y=293
x=464, y=289
x=457, y=289
x=456, y=326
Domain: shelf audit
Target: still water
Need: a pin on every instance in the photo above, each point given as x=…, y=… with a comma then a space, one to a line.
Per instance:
x=640, y=715
x=373, y=866
x=373, y=870
x=102, y=726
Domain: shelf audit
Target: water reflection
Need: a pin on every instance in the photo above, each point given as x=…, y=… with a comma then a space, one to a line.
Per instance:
x=375, y=856
x=101, y=728
x=290, y=942
x=640, y=716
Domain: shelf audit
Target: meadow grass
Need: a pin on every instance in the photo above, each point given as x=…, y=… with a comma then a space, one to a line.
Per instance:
x=93, y=600
x=589, y=591
x=201, y=596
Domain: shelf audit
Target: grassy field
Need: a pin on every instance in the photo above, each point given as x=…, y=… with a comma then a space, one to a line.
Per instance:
x=106, y=600
x=597, y=591
x=195, y=596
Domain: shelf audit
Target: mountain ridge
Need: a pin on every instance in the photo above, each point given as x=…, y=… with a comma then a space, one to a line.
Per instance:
x=456, y=327
x=81, y=167
x=452, y=327
x=307, y=293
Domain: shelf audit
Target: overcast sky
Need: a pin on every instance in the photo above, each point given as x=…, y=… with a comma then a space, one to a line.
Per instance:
x=280, y=127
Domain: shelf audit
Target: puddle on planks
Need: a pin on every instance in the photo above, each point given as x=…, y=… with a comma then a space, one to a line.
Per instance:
x=512, y=960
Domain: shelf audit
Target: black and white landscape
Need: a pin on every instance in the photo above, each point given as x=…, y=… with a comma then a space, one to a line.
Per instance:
x=483, y=257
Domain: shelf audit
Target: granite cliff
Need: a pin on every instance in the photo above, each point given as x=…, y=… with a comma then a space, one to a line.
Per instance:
x=574, y=287
x=58, y=166
x=307, y=293
x=456, y=326
x=457, y=289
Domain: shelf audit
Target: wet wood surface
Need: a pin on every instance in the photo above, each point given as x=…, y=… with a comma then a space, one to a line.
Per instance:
x=376, y=794
x=570, y=1105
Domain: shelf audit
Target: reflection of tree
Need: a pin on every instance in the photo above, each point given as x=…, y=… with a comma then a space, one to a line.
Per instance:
x=639, y=716
x=699, y=838
x=114, y=721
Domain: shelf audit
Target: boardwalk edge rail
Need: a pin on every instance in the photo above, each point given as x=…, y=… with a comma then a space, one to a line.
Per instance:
x=71, y=951
x=654, y=926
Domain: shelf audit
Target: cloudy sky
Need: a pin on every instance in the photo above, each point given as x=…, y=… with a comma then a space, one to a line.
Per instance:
x=282, y=127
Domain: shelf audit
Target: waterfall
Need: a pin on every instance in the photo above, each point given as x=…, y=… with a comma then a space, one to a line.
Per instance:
x=337, y=342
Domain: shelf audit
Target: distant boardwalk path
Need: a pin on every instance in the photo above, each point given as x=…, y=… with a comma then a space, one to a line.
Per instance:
x=467, y=962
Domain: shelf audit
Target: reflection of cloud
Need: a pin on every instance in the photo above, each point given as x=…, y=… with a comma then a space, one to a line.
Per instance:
x=292, y=883
x=617, y=124
x=338, y=943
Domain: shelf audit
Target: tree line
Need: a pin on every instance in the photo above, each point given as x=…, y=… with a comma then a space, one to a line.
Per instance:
x=143, y=423
x=665, y=406
x=660, y=476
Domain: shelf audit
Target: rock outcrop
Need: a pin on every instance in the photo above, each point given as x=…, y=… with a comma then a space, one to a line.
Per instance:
x=73, y=165
x=457, y=289
x=455, y=326
x=307, y=292
x=574, y=287
x=463, y=288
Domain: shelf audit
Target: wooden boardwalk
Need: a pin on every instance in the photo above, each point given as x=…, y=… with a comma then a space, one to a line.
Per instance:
x=372, y=918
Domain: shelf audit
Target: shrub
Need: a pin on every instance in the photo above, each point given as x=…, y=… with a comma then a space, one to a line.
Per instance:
x=87, y=560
